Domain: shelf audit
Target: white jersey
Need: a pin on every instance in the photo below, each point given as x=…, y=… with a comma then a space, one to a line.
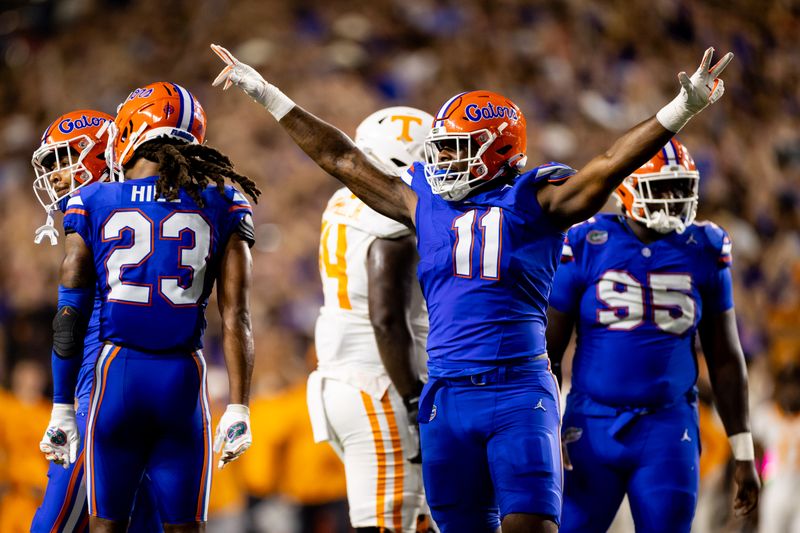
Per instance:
x=345, y=339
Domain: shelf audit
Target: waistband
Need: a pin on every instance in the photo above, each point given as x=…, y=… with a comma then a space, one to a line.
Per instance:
x=128, y=350
x=505, y=373
x=625, y=415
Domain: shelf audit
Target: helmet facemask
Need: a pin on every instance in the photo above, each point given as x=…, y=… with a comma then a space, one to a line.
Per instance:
x=61, y=156
x=664, y=201
x=453, y=179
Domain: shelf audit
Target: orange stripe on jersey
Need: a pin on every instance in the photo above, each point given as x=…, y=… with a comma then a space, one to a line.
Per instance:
x=65, y=507
x=397, y=451
x=202, y=493
x=238, y=207
x=111, y=357
x=75, y=211
x=380, y=452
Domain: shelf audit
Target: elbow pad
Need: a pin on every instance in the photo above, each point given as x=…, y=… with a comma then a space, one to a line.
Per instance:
x=69, y=329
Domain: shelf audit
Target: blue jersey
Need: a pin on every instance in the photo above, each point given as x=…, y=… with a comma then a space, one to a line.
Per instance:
x=156, y=260
x=637, y=307
x=486, y=267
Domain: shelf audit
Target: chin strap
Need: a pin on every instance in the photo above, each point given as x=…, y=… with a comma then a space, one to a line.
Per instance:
x=47, y=230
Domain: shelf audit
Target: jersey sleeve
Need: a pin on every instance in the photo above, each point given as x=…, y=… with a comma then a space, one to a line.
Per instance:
x=718, y=292
x=567, y=288
x=552, y=172
x=408, y=174
x=239, y=216
x=76, y=218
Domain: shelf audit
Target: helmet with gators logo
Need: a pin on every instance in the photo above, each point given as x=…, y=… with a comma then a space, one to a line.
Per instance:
x=484, y=134
x=74, y=143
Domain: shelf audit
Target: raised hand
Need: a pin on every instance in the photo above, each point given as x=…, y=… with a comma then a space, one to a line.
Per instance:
x=704, y=87
x=698, y=91
x=251, y=82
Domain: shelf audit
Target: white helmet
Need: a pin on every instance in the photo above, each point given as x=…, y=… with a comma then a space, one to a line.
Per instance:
x=393, y=138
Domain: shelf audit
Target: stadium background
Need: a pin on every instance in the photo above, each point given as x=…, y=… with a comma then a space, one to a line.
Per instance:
x=581, y=71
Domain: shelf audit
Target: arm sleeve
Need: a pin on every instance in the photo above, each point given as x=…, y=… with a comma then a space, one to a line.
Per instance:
x=65, y=370
x=567, y=286
x=65, y=377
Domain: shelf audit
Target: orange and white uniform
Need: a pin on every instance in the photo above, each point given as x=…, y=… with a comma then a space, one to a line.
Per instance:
x=351, y=400
x=779, y=433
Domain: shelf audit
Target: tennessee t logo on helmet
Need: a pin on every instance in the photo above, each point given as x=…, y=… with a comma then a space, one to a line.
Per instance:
x=392, y=137
x=484, y=136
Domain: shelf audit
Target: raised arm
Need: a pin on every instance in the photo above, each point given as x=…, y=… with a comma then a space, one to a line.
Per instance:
x=585, y=193
x=328, y=146
x=728, y=374
x=233, y=435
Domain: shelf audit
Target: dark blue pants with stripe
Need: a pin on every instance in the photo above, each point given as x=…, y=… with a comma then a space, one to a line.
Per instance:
x=149, y=416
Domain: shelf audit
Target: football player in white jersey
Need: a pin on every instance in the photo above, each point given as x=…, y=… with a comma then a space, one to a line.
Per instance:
x=370, y=339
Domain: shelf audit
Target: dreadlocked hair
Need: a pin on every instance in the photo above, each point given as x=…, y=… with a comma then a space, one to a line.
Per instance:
x=191, y=167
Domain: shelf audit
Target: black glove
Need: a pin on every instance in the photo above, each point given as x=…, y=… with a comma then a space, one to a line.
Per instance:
x=411, y=401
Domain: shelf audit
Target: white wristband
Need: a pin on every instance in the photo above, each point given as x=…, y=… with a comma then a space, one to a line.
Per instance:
x=742, y=446
x=674, y=115
x=63, y=408
x=276, y=102
x=238, y=409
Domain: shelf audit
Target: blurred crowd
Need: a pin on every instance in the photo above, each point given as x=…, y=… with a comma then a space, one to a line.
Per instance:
x=581, y=71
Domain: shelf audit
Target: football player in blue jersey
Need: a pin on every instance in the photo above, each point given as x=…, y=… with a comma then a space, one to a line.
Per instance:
x=637, y=288
x=154, y=246
x=71, y=156
x=489, y=239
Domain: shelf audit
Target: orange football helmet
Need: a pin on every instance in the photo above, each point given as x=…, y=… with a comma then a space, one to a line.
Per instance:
x=663, y=193
x=160, y=109
x=486, y=130
x=74, y=143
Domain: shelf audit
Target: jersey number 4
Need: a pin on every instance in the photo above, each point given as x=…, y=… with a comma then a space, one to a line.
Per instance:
x=491, y=225
x=672, y=307
x=192, y=257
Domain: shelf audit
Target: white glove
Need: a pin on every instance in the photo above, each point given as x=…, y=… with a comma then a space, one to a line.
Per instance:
x=61, y=439
x=697, y=92
x=251, y=82
x=47, y=230
x=233, y=435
